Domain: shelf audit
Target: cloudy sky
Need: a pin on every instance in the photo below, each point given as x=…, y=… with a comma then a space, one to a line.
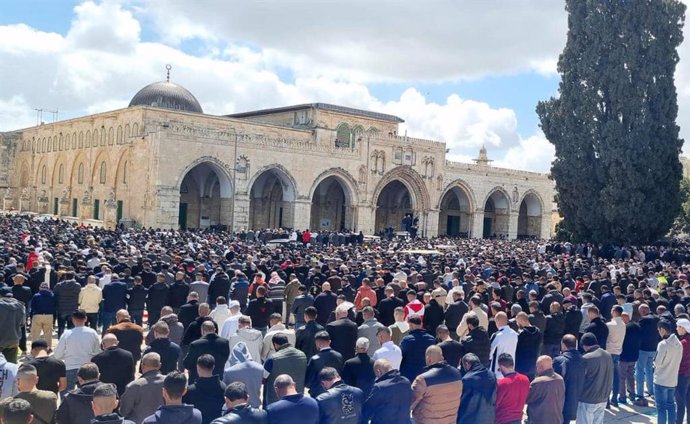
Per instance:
x=465, y=72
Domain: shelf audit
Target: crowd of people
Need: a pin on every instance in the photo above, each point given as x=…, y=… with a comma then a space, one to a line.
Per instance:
x=204, y=327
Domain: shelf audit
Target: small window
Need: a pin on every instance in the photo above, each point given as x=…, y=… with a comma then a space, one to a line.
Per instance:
x=80, y=174
x=43, y=174
x=103, y=172
x=124, y=172
x=61, y=174
x=342, y=136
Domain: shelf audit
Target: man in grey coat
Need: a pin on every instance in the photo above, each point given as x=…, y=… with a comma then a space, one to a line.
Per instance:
x=599, y=377
x=369, y=328
x=143, y=396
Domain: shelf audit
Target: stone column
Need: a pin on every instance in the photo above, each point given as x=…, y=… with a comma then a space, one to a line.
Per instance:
x=63, y=209
x=225, y=212
x=366, y=218
x=477, y=225
x=110, y=214
x=431, y=229
x=513, y=224
x=301, y=210
x=166, y=207
x=241, y=212
x=546, y=227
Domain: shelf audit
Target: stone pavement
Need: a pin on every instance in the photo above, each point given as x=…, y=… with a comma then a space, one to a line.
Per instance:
x=631, y=415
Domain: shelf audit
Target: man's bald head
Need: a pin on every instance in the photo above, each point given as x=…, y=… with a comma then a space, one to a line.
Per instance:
x=109, y=340
x=501, y=319
x=544, y=363
x=433, y=355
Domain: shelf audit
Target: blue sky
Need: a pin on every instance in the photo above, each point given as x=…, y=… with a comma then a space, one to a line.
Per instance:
x=466, y=73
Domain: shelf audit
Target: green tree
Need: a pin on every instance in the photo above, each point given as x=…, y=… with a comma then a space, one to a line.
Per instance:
x=613, y=124
x=682, y=222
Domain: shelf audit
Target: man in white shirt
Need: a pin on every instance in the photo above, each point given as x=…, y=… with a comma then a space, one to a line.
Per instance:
x=76, y=347
x=614, y=346
x=221, y=312
x=504, y=340
x=230, y=325
x=388, y=350
x=277, y=326
x=475, y=305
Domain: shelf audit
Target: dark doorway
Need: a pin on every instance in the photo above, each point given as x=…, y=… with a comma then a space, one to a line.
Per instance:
x=96, y=208
x=74, y=207
x=453, y=225
x=182, y=220
x=487, y=228
x=120, y=208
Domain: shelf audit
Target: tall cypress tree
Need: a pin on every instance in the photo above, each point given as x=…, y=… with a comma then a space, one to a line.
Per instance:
x=613, y=125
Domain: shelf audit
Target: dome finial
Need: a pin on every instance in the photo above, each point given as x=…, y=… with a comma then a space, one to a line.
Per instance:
x=168, y=67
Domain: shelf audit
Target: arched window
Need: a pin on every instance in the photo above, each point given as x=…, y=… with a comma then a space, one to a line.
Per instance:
x=135, y=129
x=68, y=140
x=80, y=174
x=60, y=143
x=102, y=136
x=111, y=136
x=102, y=173
x=342, y=136
x=61, y=174
x=44, y=171
x=81, y=138
x=119, y=134
x=124, y=172
x=74, y=141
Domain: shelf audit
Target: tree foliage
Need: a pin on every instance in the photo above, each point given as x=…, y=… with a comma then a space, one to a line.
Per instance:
x=682, y=223
x=613, y=125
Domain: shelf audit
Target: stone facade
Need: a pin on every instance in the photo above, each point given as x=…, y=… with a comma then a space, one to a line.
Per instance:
x=318, y=166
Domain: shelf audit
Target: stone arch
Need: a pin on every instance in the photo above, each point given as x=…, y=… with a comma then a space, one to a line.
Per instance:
x=24, y=175
x=530, y=212
x=206, y=193
x=342, y=135
x=411, y=180
x=101, y=158
x=333, y=198
x=79, y=161
x=497, y=210
x=457, y=206
x=60, y=160
x=272, y=194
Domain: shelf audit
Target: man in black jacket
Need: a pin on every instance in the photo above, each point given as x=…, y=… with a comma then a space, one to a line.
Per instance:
x=387, y=306
x=553, y=332
x=359, y=371
x=573, y=318
x=178, y=292
x=76, y=406
x=136, y=301
x=452, y=350
x=326, y=357
x=569, y=366
x=343, y=333
x=643, y=368
x=304, y=338
x=207, y=393
x=156, y=299
x=115, y=363
x=528, y=346
x=67, y=300
x=390, y=398
x=238, y=409
x=455, y=312
x=190, y=310
x=476, y=341
x=260, y=310
x=597, y=326
x=210, y=343
x=332, y=408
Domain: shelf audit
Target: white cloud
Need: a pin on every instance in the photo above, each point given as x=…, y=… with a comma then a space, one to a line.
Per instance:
x=102, y=61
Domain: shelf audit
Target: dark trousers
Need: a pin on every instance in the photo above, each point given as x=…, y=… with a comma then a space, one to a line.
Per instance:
x=93, y=320
x=551, y=350
x=153, y=318
x=22, y=340
x=62, y=321
x=10, y=354
x=108, y=319
x=682, y=399
x=137, y=316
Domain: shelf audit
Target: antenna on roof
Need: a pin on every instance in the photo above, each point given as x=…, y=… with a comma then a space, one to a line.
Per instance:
x=168, y=67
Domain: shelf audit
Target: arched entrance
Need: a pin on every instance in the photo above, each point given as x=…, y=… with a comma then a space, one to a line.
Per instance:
x=205, y=197
x=271, y=200
x=455, y=216
x=496, y=215
x=330, y=206
x=392, y=205
x=529, y=218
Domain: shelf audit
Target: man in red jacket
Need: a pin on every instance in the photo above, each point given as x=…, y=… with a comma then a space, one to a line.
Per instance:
x=511, y=392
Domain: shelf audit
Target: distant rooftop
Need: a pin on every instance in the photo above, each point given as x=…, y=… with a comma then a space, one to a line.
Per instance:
x=321, y=106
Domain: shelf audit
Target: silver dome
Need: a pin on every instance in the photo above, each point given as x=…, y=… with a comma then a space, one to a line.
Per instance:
x=168, y=95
